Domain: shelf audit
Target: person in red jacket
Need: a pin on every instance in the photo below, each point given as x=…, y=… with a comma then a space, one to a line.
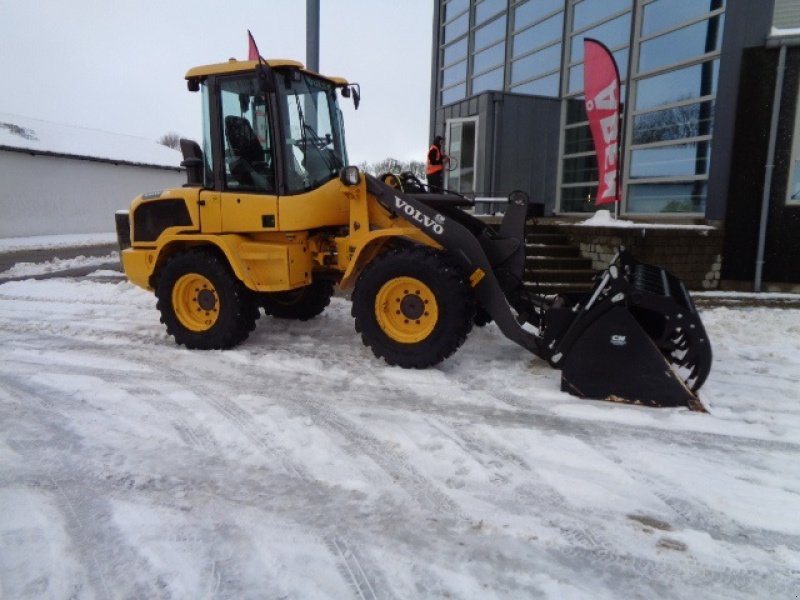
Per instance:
x=435, y=166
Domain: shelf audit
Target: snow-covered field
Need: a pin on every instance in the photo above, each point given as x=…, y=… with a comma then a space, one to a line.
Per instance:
x=299, y=466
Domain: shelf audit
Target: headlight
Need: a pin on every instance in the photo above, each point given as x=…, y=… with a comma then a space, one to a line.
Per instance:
x=350, y=175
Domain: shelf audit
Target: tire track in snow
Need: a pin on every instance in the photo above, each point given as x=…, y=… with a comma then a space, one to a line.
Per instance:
x=363, y=577
x=87, y=516
x=703, y=518
x=354, y=569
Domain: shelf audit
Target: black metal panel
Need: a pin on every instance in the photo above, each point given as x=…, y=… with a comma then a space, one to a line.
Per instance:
x=746, y=26
x=151, y=219
x=123, y=223
x=782, y=250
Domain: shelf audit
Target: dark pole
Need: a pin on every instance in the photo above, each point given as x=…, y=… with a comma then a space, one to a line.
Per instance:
x=312, y=35
x=769, y=167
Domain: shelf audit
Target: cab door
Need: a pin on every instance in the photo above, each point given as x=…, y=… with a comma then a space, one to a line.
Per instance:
x=248, y=198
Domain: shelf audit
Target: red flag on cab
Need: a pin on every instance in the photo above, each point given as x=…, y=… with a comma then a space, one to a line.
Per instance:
x=252, y=49
x=601, y=90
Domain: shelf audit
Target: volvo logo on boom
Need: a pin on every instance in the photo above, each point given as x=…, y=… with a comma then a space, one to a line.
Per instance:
x=415, y=214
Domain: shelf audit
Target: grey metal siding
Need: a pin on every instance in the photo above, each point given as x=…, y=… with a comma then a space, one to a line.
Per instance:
x=787, y=14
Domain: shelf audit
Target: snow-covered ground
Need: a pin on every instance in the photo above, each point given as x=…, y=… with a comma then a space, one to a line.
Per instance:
x=299, y=466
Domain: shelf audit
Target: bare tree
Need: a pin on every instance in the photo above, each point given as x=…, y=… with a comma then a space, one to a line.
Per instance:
x=170, y=140
x=392, y=165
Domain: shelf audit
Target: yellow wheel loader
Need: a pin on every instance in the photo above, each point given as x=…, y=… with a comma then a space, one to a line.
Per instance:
x=272, y=218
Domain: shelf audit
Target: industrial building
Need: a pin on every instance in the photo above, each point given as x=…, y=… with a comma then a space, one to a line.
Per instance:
x=710, y=126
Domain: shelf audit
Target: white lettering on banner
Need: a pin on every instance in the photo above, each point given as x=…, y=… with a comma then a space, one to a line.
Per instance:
x=611, y=154
x=610, y=179
x=610, y=125
x=416, y=215
x=607, y=98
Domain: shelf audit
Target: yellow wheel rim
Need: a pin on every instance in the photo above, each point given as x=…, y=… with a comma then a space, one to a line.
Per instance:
x=195, y=302
x=406, y=310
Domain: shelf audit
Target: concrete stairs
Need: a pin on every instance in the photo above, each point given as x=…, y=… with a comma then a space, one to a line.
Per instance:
x=553, y=265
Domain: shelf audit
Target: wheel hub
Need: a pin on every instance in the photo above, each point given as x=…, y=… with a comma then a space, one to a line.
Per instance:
x=406, y=310
x=206, y=299
x=195, y=302
x=412, y=306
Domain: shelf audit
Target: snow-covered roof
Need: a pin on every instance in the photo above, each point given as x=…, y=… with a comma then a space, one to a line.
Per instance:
x=25, y=133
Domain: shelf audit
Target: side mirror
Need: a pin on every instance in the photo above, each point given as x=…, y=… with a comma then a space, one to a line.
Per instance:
x=353, y=90
x=193, y=85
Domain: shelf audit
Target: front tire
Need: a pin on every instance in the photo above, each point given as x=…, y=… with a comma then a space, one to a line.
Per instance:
x=413, y=307
x=202, y=303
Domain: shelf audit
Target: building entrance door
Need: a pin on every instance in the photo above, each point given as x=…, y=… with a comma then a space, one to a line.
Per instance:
x=461, y=144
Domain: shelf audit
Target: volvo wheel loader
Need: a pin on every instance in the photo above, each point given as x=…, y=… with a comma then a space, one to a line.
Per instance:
x=272, y=218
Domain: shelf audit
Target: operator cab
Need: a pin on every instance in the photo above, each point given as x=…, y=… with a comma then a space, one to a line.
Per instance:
x=268, y=127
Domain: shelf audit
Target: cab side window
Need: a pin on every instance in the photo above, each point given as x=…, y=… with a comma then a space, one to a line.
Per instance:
x=248, y=147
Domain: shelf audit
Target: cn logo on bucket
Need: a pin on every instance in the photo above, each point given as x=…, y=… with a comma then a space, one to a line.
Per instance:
x=619, y=340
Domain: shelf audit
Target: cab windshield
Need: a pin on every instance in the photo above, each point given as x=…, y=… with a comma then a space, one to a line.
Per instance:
x=312, y=128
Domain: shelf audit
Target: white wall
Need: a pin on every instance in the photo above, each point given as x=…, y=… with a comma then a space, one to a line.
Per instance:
x=46, y=195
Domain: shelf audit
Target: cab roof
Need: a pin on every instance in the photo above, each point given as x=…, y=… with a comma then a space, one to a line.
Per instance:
x=242, y=66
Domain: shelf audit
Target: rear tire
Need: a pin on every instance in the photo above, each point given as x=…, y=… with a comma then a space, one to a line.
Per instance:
x=302, y=304
x=413, y=307
x=202, y=303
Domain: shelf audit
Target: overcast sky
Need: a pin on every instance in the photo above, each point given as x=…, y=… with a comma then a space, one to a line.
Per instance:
x=118, y=65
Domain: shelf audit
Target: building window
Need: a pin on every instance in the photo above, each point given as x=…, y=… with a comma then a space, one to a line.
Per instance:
x=678, y=46
x=533, y=11
x=454, y=94
x=610, y=22
x=493, y=80
x=673, y=98
x=587, y=12
x=454, y=52
x=670, y=116
x=492, y=56
x=490, y=33
x=453, y=8
x=488, y=47
x=454, y=74
x=462, y=146
x=661, y=16
x=544, y=86
x=538, y=35
x=793, y=195
x=534, y=65
x=488, y=8
x=456, y=28
x=536, y=47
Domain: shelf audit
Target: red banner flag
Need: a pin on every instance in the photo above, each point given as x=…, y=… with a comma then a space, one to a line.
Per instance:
x=252, y=49
x=601, y=90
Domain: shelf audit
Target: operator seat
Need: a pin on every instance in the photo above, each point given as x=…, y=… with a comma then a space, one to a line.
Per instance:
x=243, y=140
x=249, y=166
